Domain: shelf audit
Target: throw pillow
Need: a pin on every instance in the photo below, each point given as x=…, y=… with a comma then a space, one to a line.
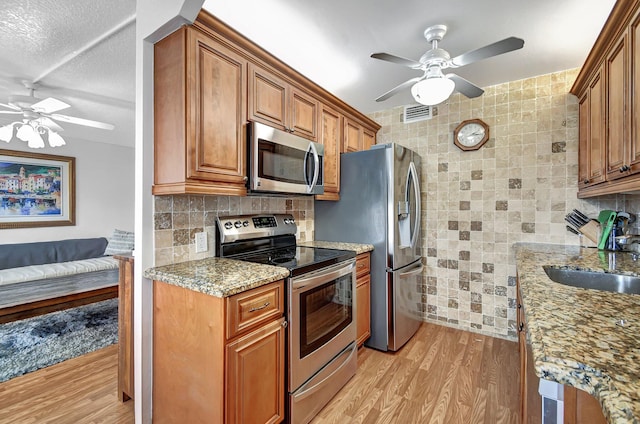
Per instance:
x=120, y=243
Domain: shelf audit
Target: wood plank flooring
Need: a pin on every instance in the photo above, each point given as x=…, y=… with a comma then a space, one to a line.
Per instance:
x=442, y=375
x=78, y=391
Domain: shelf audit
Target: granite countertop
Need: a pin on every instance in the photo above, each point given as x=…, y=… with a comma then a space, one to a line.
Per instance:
x=575, y=335
x=218, y=277
x=356, y=247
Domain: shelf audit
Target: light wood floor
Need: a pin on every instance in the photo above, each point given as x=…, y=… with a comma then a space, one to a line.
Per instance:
x=442, y=375
x=77, y=391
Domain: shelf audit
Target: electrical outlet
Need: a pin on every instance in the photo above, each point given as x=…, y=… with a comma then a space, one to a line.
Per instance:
x=201, y=242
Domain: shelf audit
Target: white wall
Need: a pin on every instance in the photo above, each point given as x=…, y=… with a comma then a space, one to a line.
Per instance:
x=104, y=192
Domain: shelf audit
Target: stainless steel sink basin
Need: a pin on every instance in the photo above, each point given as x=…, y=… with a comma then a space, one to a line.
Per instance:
x=594, y=280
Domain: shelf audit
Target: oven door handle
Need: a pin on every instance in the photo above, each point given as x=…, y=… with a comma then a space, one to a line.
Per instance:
x=311, y=390
x=322, y=277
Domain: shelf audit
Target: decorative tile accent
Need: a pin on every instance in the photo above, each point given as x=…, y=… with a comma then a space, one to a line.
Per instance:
x=515, y=183
x=476, y=175
x=502, y=205
x=465, y=205
x=443, y=167
x=453, y=225
x=465, y=185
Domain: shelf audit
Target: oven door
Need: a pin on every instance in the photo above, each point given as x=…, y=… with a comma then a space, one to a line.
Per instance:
x=284, y=163
x=321, y=319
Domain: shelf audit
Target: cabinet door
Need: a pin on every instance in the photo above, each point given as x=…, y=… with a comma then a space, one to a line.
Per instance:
x=331, y=137
x=352, y=136
x=125, y=328
x=634, y=113
x=255, y=387
x=368, y=139
x=595, y=148
x=304, y=115
x=267, y=98
x=363, y=311
x=216, y=85
x=583, y=141
x=616, y=103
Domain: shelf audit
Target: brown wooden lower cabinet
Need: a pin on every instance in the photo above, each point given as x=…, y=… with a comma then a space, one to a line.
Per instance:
x=363, y=298
x=579, y=406
x=218, y=360
x=125, y=328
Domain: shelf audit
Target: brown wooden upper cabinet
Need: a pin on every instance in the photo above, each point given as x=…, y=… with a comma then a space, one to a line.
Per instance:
x=357, y=137
x=331, y=138
x=209, y=82
x=591, y=133
x=608, y=91
x=274, y=102
x=200, y=110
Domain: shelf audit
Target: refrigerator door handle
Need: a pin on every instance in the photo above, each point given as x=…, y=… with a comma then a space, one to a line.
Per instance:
x=413, y=174
x=417, y=270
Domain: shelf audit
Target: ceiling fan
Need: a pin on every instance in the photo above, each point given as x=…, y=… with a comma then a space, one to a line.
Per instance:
x=38, y=119
x=434, y=86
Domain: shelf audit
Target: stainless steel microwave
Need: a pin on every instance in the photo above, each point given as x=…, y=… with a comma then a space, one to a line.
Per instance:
x=281, y=162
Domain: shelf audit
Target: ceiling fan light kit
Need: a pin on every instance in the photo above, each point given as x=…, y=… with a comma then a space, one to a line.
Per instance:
x=433, y=87
x=38, y=120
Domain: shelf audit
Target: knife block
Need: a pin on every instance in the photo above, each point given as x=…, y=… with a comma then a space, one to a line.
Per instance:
x=591, y=230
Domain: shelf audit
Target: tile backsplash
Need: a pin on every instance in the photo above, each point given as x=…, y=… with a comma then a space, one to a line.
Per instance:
x=177, y=218
x=517, y=188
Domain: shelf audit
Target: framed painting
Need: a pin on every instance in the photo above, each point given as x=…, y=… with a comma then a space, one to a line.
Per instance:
x=36, y=190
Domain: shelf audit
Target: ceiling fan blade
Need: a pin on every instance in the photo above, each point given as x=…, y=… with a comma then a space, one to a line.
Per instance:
x=12, y=112
x=398, y=60
x=49, y=105
x=12, y=107
x=495, y=49
x=397, y=89
x=81, y=121
x=47, y=122
x=465, y=87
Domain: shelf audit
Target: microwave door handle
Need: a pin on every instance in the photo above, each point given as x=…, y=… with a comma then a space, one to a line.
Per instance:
x=316, y=166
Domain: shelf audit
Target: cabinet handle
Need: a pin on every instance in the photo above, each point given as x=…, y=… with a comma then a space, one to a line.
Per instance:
x=624, y=168
x=292, y=130
x=284, y=324
x=586, y=181
x=260, y=307
x=519, y=306
x=521, y=327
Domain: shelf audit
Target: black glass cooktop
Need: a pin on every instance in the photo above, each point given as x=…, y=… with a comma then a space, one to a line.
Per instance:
x=298, y=259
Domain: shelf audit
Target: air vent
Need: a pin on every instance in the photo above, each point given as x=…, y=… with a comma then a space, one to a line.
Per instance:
x=418, y=113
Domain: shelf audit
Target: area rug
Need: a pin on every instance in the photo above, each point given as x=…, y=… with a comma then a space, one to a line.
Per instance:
x=30, y=344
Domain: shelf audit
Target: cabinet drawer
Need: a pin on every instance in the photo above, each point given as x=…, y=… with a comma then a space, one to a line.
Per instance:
x=251, y=308
x=363, y=264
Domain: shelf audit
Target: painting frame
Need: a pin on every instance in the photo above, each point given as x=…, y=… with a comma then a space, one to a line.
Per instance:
x=60, y=197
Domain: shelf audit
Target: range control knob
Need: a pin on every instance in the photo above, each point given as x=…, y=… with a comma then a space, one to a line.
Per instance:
x=287, y=221
x=238, y=224
x=292, y=221
x=228, y=225
x=245, y=224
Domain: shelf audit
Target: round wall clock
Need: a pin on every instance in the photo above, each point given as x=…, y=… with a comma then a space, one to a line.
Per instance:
x=471, y=134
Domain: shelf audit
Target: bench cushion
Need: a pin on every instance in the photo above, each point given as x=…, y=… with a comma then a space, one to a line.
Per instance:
x=38, y=253
x=48, y=271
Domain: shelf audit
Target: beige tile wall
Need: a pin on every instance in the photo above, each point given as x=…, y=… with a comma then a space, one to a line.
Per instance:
x=517, y=188
x=178, y=218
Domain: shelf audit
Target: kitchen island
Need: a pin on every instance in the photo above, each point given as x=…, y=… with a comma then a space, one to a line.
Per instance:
x=588, y=339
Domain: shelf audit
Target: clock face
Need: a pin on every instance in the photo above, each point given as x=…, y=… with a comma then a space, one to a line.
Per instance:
x=471, y=134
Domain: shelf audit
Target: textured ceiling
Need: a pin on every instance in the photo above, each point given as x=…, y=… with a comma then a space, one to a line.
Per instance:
x=60, y=44
x=81, y=52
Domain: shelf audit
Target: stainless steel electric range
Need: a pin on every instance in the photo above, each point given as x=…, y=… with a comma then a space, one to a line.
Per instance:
x=321, y=353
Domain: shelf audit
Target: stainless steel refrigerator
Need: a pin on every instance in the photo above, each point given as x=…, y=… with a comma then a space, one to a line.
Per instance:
x=380, y=205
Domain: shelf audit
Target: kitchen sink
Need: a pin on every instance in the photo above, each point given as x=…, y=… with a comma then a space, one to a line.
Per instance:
x=616, y=283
